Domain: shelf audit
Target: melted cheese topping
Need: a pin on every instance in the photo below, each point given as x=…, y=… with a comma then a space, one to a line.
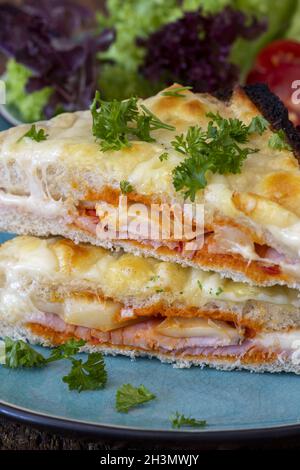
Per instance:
x=271, y=177
x=124, y=276
x=31, y=204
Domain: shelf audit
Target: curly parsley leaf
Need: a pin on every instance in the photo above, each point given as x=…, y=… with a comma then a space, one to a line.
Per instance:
x=126, y=187
x=129, y=396
x=177, y=92
x=67, y=350
x=179, y=420
x=258, y=125
x=218, y=149
x=193, y=142
x=232, y=129
x=20, y=354
x=190, y=174
x=89, y=375
x=115, y=122
x=34, y=134
x=153, y=121
x=110, y=121
x=278, y=141
x=163, y=156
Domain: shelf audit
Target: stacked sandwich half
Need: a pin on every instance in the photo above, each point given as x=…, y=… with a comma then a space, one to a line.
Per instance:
x=226, y=296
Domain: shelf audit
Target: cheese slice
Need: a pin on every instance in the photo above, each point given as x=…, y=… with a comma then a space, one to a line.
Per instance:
x=123, y=276
x=101, y=314
x=197, y=327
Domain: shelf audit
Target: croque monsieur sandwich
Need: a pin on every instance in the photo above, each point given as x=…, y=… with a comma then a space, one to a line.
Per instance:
x=53, y=290
x=61, y=177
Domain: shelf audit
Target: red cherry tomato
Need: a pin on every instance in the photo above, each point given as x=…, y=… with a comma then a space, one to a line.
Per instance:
x=278, y=65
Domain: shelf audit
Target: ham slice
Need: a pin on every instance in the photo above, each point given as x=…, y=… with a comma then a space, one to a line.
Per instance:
x=88, y=220
x=144, y=336
x=87, y=223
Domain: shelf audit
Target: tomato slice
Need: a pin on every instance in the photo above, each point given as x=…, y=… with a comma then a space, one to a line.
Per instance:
x=278, y=65
x=278, y=53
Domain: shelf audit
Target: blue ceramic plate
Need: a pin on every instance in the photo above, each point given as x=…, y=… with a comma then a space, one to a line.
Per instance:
x=234, y=404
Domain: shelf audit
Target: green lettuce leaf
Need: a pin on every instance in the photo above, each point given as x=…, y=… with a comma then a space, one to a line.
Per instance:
x=29, y=105
x=294, y=30
x=279, y=15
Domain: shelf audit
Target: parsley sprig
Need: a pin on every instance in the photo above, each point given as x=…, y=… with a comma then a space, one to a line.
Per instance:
x=67, y=350
x=20, y=354
x=89, y=375
x=217, y=149
x=179, y=420
x=126, y=187
x=177, y=92
x=278, y=141
x=128, y=396
x=163, y=156
x=115, y=122
x=34, y=134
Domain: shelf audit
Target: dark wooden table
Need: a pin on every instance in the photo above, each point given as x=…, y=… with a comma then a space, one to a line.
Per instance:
x=15, y=436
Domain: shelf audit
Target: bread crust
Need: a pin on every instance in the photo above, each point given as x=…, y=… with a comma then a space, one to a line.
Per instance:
x=275, y=112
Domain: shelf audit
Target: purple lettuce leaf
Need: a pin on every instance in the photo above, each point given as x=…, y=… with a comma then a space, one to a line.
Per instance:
x=37, y=37
x=65, y=17
x=195, y=50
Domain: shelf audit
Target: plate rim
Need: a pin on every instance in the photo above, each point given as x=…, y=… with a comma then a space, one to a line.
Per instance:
x=94, y=430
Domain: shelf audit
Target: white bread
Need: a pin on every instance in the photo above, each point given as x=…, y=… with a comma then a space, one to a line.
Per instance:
x=57, y=268
x=53, y=176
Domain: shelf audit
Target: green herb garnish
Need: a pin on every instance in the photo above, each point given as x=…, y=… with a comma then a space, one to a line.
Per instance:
x=199, y=284
x=154, y=278
x=179, y=420
x=110, y=121
x=126, y=187
x=155, y=122
x=258, y=125
x=34, y=134
x=219, y=291
x=67, y=350
x=278, y=141
x=89, y=375
x=176, y=92
x=20, y=354
x=115, y=122
x=128, y=396
x=217, y=150
x=164, y=156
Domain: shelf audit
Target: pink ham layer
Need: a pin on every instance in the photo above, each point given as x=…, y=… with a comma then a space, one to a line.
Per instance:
x=224, y=238
x=143, y=335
